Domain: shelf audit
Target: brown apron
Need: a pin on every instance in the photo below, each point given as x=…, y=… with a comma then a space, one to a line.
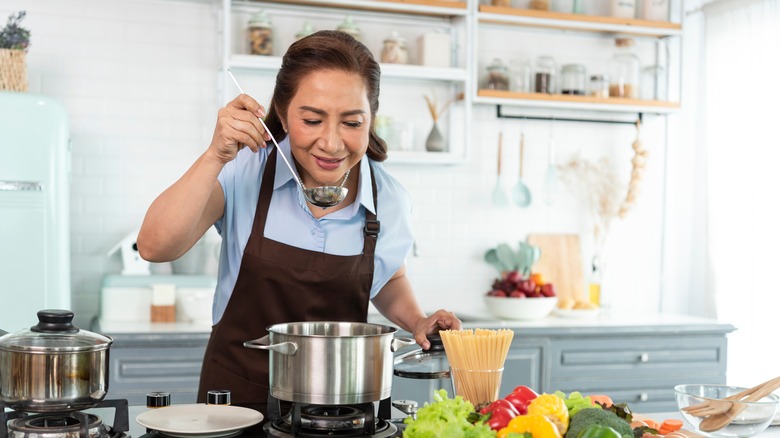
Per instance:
x=279, y=283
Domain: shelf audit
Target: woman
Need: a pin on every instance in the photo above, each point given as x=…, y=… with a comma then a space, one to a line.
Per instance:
x=284, y=259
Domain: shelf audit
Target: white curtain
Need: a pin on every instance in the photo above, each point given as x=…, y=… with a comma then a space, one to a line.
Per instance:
x=737, y=150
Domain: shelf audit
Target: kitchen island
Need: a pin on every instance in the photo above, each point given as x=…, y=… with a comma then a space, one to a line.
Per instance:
x=634, y=358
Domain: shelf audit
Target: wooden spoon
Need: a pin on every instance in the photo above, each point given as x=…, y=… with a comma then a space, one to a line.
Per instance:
x=719, y=406
x=719, y=421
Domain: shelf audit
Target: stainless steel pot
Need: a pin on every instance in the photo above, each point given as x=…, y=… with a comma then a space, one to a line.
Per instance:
x=53, y=366
x=330, y=363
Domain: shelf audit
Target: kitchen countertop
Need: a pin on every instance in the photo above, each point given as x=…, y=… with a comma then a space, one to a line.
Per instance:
x=619, y=323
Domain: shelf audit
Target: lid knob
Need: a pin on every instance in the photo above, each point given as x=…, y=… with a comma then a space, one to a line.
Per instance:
x=218, y=397
x=55, y=321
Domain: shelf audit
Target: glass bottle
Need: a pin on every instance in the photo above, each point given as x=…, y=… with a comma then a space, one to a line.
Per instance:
x=573, y=79
x=544, y=79
x=624, y=80
x=497, y=76
x=521, y=76
x=349, y=26
x=260, y=34
x=594, y=284
x=599, y=86
x=394, y=50
x=305, y=31
x=653, y=83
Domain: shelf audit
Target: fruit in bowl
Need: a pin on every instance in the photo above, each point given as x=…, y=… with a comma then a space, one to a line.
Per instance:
x=754, y=419
x=516, y=297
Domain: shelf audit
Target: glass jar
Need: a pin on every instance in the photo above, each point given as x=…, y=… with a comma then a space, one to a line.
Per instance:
x=624, y=79
x=394, y=50
x=260, y=34
x=521, y=76
x=599, y=86
x=497, y=77
x=505, y=3
x=305, y=31
x=654, y=10
x=623, y=8
x=349, y=26
x=544, y=78
x=539, y=5
x=565, y=6
x=653, y=83
x=573, y=79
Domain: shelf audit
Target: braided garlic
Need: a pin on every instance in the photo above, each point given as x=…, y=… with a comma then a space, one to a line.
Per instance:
x=637, y=173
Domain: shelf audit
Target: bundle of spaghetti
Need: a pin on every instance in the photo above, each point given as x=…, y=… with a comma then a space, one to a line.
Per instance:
x=477, y=360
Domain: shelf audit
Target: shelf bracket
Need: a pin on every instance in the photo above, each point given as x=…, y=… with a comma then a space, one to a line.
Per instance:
x=501, y=115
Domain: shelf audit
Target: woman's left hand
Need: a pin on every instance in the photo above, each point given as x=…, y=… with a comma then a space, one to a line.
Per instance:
x=441, y=320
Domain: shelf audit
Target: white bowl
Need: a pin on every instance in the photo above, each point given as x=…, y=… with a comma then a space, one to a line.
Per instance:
x=521, y=308
x=195, y=304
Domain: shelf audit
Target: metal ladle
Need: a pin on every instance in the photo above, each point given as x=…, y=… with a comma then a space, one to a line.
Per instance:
x=324, y=196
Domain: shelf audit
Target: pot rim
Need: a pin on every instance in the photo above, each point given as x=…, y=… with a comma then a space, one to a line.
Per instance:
x=39, y=349
x=386, y=330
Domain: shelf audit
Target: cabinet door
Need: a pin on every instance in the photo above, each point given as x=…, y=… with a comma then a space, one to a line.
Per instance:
x=523, y=366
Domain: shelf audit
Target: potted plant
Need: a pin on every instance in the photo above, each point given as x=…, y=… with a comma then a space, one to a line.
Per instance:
x=14, y=41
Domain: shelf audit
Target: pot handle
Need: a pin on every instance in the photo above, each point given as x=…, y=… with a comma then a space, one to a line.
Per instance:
x=398, y=343
x=286, y=348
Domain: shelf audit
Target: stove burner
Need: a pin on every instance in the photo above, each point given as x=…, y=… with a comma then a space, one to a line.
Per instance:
x=333, y=421
x=57, y=425
x=332, y=418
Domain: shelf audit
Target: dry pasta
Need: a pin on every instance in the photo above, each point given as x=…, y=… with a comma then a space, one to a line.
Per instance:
x=477, y=358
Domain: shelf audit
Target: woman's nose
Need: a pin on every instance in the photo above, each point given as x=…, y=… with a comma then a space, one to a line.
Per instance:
x=330, y=138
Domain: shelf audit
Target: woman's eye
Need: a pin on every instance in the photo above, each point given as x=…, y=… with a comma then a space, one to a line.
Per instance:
x=312, y=122
x=354, y=124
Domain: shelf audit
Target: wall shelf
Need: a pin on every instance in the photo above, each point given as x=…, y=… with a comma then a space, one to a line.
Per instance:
x=573, y=102
x=444, y=8
x=578, y=22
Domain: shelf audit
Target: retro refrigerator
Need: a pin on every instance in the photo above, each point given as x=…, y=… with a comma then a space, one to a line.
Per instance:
x=34, y=208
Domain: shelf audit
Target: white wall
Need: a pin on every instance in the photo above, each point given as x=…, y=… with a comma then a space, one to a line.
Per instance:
x=138, y=78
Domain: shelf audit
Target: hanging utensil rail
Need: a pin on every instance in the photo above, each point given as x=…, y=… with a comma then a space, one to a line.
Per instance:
x=501, y=115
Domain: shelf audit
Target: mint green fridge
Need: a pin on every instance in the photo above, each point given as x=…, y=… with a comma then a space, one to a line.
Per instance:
x=34, y=208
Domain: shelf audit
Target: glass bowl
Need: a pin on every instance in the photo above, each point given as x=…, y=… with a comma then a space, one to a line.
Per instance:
x=751, y=421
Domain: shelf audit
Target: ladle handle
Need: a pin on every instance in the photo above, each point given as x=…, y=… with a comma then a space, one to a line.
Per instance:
x=740, y=395
x=522, y=152
x=764, y=390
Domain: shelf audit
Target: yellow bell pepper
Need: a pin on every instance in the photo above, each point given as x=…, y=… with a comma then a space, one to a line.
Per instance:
x=537, y=425
x=552, y=407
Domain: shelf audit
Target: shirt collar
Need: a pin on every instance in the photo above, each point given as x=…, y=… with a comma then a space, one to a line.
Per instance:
x=365, y=196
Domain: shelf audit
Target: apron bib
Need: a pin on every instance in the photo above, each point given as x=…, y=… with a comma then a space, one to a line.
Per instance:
x=279, y=283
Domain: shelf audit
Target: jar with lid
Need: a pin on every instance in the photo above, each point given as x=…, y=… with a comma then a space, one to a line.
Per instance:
x=573, y=79
x=539, y=5
x=497, y=77
x=521, y=76
x=599, y=86
x=653, y=86
x=623, y=8
x=394, y=50
x=260, y=34
x=544, y=78
x=305, y=31
x=654, y=10
x=349, y=26
x=624, y=78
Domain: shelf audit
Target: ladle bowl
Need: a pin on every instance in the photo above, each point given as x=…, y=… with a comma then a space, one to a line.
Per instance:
x=752, y=420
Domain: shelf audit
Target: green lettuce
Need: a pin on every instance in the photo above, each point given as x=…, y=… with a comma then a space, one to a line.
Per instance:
x=446, y=417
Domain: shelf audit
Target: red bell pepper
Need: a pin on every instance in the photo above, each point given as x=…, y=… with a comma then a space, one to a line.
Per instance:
x=521, y=397
x=500, y=412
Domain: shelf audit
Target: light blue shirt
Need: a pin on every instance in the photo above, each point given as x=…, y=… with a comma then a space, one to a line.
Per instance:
x=290, y=221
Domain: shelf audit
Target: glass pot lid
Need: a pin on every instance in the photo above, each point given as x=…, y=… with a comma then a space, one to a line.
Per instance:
x=424, y=364
x=54, y=333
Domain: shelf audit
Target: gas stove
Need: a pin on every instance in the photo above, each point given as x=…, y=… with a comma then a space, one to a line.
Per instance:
x=71, y=424
x=304, y=420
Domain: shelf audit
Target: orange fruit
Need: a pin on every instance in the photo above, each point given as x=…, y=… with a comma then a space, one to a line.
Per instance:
x=538, y=279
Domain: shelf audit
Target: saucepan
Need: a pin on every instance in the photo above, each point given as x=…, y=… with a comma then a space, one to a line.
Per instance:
x=330, y=362
x=53, y=366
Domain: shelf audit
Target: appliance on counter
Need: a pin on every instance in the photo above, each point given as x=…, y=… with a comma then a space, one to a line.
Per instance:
x=18, y=424
x=34, y=206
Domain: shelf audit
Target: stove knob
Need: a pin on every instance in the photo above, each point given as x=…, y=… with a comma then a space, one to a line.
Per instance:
x=408, y=407
x=158, y=399
x=218, y=397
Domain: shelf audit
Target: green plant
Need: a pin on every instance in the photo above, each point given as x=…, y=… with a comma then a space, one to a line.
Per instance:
x=13, y=35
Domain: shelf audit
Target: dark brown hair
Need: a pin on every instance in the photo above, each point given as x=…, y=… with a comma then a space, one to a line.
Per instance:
x=326, y=50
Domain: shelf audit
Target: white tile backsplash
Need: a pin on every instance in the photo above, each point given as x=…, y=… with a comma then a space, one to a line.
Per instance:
x=138, y=78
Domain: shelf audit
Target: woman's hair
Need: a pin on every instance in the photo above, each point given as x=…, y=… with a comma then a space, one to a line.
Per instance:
x=326, y=50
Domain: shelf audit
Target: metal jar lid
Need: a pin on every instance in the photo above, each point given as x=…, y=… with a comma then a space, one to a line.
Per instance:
x=158, y=399
x=54, y=333
x=424, y=364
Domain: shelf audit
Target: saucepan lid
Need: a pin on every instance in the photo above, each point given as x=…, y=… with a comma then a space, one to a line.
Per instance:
x=424, y=364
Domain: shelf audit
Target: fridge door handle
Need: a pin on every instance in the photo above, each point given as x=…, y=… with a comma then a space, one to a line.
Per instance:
x=20, y=186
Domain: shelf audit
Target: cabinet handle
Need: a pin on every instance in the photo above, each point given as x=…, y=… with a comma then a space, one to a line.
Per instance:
x=644, y=357
x=643, y=397
x=20, y=186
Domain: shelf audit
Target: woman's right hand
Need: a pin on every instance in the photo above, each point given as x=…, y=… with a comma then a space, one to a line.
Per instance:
x=238, y=126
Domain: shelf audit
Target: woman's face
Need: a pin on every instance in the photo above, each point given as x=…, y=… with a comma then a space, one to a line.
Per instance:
x=328, y=123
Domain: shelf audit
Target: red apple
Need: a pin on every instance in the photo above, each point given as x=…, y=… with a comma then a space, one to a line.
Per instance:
x=527, y=287
x=517, y=294
x=514, y=277
x=548, y=290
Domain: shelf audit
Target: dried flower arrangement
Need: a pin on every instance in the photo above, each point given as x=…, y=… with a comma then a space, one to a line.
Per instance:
x=433, y=107
x=13, y=35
